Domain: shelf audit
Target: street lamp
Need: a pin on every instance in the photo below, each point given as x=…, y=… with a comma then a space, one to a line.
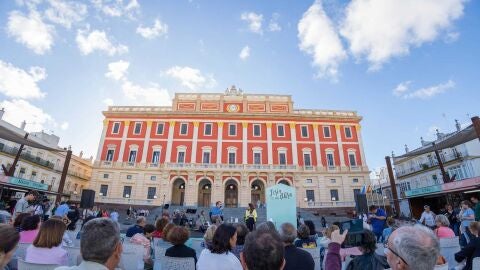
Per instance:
x=100, y=194
x=127, y=195
x=155, y=196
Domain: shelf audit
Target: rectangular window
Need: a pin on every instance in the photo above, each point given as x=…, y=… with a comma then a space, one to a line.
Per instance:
x=153, y=177
x=138, y=128
x=256, y=130
x=206, y=157
x=160, y=127
x=208, y=129
x=181, y=157
x=310, y=195
x=308, y=181
x=132, y=156
x=105, y=175
x=307, y=160
x=151, y=193
x=21, y=173
x=183, y=129
x=334, y=194
x=330, y=160
x=280, y=130
x=353, y=161
x=232, y=158
x=127, y=191
x=304, y=131
x=333, y=181
x=232, y=129
x=326, y=132
x=282, y=158
x=156, y=156
x=33, y=176
x=103, y=190
x=257, y=158
x=348, y=132
x=129, y=177
x=116, y=128
x=355, y=180
x=110, y=153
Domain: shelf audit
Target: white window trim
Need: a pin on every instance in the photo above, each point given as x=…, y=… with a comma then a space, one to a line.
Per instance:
x=159, y=149
x=180, y=131
x=135, y=127
x=345, y=131
x=259, y=128
x=205, y=129
x=301, y=133
x=232, y=124
x=354, y=157
x=282, y=151
x=309, y=153
x=130, y=153
x=209, y=151
x=257, y=152
x=113, y=155
x=113, y=127
x=163, y=129
x=278, y=125
x=333, y=157
x=232, y=151
x=184, y=155
x=329, y=131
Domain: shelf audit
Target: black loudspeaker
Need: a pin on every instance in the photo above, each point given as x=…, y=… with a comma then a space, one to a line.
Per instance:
x=88, y=199
x=166, y=206
x=361, y=204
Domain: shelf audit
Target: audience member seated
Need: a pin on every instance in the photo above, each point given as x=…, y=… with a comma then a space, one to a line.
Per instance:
x=242, y=232
x=5, y=217
x=137, y=228
x=295, y=258
x=390, y=227
x=17, y=223
x=8, y=244
x=178, y=235
x=263, y=250
x=471, y=250
x=311, y=227
x=208, y=236
x=267, y=226
x=443, y=227
x=29, y=229
x=47, y=248
x=219, y=255
x=159, y=225
x=369, y=260
x=304, y=239
x=145, y=239
x=165, y=231
x=100, y=246
x=66, y=240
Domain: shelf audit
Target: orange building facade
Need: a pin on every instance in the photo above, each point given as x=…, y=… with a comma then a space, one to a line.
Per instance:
x=229, y=147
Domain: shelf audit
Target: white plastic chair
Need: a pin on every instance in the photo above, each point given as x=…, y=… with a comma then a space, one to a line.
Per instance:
x=315, y=252
x=74, y=257
x=132, y=257
x=448, y=248
x=476, y=263
x=21, y=250
x=197, y=245
x=160, y=252
x=172, y=263
x=23, y=265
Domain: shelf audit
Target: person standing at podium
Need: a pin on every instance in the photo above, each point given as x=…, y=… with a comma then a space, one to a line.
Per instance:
x=250, y=217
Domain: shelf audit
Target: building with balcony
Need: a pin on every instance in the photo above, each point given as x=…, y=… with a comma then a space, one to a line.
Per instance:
x=228, y=147
x=39, y=168
x=419, y=178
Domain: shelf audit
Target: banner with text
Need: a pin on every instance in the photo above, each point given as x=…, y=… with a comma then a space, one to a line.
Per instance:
x=281, y=205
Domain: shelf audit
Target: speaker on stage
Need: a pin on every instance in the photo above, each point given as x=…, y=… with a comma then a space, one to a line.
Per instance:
x=361, y=204
x=88, y=199
x=166, y=206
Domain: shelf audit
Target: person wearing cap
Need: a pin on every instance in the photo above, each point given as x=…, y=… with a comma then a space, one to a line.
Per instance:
x=428, y=217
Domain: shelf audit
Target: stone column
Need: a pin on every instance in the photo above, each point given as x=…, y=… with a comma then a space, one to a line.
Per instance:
x=124, y=139
x=245, y=195
x=171, y=131
x=293, y=133
x=340, y=147
x=193, y=158
x=219, y=143
x=102, y=140
x=244, y=143
x=146, y=142
x=217, y=189
x=318, y=153
x=191, y=192
x=269, y=144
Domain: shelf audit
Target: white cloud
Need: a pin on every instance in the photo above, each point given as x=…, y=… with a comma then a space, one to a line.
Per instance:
x=18, y=110
x=117, y=70
x=401, y=88
x=244, y=53
x=97, y=40
x=30, y=31
x=152, y=94
x=108, y=102
x=117, y=8
x=431, y=91
x=254, y=21
x=158, y=29
x=64, y=125
x=273, y=25
x=191, y=78
x=17, y=83
x=382, y=29
x=319, y=39
x=65, y=13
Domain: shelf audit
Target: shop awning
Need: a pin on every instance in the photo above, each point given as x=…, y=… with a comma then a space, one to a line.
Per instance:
x=21, y=184
x=12, y=133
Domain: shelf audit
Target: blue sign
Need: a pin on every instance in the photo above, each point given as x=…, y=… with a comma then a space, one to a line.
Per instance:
x=423, y=190
x=27, y=183
x=281, y=205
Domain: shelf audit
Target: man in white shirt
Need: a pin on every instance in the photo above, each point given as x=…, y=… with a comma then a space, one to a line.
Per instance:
x=23, y=205
x=428, y=217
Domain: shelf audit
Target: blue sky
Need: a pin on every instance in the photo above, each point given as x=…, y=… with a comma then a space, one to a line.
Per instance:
x=407, y=67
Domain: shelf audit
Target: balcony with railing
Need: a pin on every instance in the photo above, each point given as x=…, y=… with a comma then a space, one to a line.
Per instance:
x=431, y=163
x=26, y=156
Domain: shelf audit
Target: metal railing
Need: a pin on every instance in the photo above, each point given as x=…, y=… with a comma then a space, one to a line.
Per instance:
x=26, y=156
x=331, y=204
x=431, y=163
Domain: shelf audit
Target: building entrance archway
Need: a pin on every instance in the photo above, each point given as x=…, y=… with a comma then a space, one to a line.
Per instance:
x=258, y=193
x=231, y=193
x=285, y=182
x=204, y=193
x=178, y=192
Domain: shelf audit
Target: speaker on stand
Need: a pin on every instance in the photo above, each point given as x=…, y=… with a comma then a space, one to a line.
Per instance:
x=361, y=204
x=88, y=199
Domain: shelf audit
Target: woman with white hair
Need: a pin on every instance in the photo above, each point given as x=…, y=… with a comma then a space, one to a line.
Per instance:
x=443, y=227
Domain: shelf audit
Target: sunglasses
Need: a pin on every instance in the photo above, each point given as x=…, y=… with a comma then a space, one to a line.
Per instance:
x=392, y=251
